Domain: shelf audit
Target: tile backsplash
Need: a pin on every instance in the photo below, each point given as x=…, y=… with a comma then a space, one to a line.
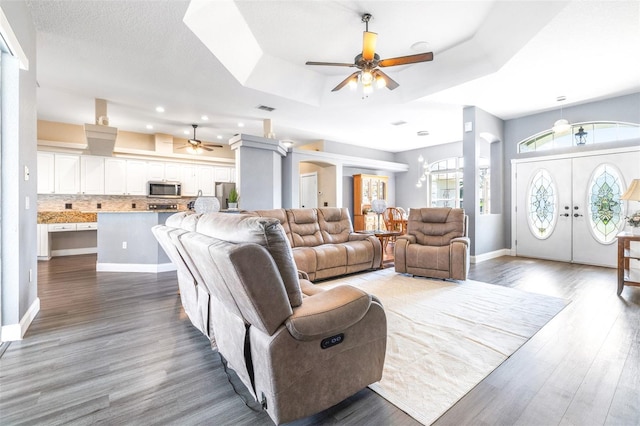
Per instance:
x=47, y=202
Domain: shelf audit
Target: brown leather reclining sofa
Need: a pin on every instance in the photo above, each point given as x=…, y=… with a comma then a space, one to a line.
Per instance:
x=324, y=244
x=298, y=348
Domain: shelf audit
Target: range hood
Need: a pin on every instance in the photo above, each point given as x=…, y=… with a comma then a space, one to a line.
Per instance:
x=101, y=139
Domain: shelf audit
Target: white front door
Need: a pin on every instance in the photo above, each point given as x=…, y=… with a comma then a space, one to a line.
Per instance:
x=309, y=190
x=570, y=209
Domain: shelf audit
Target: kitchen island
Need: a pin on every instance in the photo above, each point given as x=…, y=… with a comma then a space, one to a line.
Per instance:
x=126, y=243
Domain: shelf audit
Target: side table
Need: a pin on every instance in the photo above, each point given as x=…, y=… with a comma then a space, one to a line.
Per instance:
x=626, y=276
x=383, y=236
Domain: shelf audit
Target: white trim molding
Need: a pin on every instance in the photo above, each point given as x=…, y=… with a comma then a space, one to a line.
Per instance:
x=7, y=34
x=491, y=255
x=13, y=332
x=135, y=267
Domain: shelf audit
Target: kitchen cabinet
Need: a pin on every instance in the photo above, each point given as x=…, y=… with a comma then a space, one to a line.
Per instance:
x=115, y=176
x=222, y=174
x=92, y=175
x=125, y=177
x=156, y=171
x=196, y=178
x=367, y=188
x=172, y=171
x=47, y=240
x=46, y=172
x=67, y=174
x=136, y=177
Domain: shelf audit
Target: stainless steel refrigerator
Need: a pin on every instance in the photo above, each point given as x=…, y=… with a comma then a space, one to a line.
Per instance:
x=222, y=193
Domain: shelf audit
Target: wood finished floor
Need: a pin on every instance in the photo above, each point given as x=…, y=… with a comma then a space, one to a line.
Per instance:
x=116, y=348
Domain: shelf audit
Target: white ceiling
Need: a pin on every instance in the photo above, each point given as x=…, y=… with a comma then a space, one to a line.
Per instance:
x=510, y=58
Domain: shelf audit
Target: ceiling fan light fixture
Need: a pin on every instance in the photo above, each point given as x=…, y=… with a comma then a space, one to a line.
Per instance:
x=366, y=77
x=380, y=82
x=367, y=89
x=353, y=83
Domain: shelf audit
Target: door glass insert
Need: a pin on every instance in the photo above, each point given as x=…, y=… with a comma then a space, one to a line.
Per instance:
x=605, y=206
x=542, y=205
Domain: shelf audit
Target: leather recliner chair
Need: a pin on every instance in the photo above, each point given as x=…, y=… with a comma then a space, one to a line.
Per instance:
x=436, y=244
x=297, y=348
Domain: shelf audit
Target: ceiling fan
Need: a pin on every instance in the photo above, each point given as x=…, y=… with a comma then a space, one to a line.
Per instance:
x=195, y=144
x=368, y=62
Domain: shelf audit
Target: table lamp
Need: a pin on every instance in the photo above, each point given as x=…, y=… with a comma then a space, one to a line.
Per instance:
x=379, y=206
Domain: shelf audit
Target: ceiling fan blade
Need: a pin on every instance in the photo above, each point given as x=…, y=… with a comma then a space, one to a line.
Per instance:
x=331, y=64
x=369, y=45
x=390, y=83
x=404, y=60
x=345, y=81
x=211, y=145
x=206, y=148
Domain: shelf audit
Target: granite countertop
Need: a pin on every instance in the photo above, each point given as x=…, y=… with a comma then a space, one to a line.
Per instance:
x=67, y=216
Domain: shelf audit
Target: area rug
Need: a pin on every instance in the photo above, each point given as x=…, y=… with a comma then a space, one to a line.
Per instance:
x=445, y=337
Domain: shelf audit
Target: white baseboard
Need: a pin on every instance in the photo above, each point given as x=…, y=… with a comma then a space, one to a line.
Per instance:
x=491, y=255
x=73, y=252
x=13, y=332
x=135, y=267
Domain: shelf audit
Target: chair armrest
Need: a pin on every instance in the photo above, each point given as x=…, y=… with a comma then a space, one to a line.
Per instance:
x=463, y=240
x=309, y=289
x=411, y=239
x=328, y=312
x=303, y=275
x=354, y=236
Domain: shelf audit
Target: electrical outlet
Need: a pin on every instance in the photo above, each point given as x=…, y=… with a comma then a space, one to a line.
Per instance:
x=99, y=205
x=133, y=205
x=124, y=244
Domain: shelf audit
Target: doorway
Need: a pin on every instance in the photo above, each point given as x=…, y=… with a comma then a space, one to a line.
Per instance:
x=569, y=209
x=309, y=190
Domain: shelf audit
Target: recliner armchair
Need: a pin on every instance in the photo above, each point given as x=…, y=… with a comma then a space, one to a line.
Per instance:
x=436, y=244
x=297, y=348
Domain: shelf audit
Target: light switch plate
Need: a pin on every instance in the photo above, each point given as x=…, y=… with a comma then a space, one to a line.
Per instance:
x=26, y=173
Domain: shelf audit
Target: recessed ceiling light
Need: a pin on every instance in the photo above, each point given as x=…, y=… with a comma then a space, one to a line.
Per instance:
x=219, y=136
x=186, y=132
x=204, y=118
x=149, y=126
x=159, y=109
x=240, y=124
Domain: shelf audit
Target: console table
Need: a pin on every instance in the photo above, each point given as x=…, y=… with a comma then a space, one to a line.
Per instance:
x=383, y=236
x=625, y=275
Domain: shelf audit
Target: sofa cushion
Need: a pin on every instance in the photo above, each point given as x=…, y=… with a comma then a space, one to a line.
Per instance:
x=264, y=231
x=436, y=226
x=186, y=220
x=335, y=224
x=281, y=215
x=305, y=230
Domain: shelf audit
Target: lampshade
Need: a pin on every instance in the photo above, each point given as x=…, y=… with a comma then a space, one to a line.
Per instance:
x=633, y=192
x=561, y=125
x=379, y=206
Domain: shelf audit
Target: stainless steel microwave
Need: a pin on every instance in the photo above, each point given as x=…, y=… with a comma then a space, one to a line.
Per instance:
x=164, y=189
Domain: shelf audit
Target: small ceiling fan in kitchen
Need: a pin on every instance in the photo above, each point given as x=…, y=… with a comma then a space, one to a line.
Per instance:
x=368, y=62
x=196, y=146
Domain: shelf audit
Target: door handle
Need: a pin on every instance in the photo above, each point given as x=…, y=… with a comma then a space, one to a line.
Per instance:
x=577, y=215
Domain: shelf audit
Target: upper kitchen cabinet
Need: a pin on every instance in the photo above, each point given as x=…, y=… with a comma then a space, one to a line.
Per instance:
x=156, y=171
x=125, y=177
x=92, y=175
x=46, y=172
x=172, y=171
x=58, y=173
x=196, y=178
x=223, y=174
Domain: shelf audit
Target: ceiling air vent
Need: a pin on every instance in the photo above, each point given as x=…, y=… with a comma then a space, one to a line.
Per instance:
x=265, y=108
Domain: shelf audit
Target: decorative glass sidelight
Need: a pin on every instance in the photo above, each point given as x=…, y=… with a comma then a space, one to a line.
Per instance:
x=606, y=213
x=542, y=205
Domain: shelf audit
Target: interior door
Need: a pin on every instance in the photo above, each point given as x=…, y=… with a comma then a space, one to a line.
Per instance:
x=309, y=190
x=598, y=215
x=543, y=200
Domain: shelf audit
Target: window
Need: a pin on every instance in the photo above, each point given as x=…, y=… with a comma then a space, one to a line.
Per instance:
x=605, y=207
x=542, y=201
x=446, y=183
x=596, y=132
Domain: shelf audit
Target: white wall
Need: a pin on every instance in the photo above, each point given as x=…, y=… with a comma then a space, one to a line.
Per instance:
x=18, y=130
